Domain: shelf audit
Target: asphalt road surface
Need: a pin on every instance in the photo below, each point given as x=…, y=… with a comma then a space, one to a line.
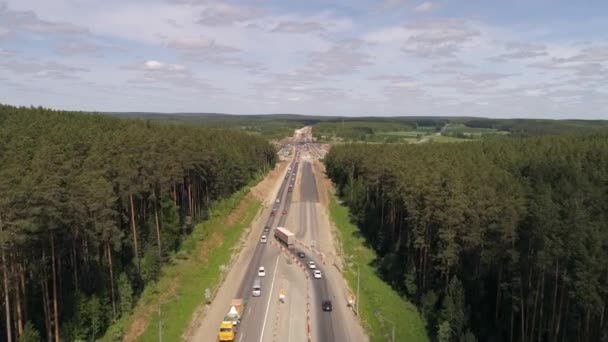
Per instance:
x=255, y=319
x=300, y=318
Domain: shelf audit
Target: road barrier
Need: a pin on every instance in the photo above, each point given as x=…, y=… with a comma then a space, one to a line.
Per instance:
x=306, y=273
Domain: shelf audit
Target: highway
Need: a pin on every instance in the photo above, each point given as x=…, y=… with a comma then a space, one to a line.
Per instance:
x=254, y=321
x=301, y=317
x=308, y=230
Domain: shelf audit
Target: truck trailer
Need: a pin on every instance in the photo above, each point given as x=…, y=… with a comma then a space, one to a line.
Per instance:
x=285, y=236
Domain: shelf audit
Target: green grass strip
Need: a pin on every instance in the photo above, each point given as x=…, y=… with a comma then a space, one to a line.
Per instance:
x=376, y=296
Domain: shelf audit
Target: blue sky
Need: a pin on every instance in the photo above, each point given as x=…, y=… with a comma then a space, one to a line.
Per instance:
x=529, y=59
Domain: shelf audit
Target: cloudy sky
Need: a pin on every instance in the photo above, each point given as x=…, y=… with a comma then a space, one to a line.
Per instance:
x=516, y=58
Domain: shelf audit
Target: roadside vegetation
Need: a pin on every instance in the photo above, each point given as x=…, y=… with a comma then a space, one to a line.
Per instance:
x=200, y=265
x=496, y=240
x=93, y=206
x=377, y=299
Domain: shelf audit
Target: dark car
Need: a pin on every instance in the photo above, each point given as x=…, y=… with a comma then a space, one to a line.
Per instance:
x=326, y=304
x=301, y=255
x=266, y=228
x=285, y=212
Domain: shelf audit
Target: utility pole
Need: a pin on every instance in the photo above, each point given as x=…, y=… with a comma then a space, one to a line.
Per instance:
x=160, y=322
x=160, y=325
x=358, y=289
x=379, y=316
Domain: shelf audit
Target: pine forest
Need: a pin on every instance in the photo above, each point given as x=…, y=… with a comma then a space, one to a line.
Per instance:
x=504, y=239
x=91, y=206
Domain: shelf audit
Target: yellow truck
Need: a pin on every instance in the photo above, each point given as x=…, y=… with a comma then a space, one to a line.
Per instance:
x=228, y=327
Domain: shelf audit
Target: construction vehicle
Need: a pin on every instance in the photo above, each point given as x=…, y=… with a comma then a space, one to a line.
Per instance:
x=228, y=327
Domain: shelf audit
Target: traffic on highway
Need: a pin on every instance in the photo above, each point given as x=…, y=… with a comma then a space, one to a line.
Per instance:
x=259, y=281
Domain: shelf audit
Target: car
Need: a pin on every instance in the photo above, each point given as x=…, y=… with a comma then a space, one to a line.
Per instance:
x=266, y=228
x=311, y=264
x=261, y=272
x=316, y=274
x=256, y=289
x=326, y=305
x=278, y=200
x=301, y=255
x=264, y=239
x=273, y=212
x=285, y=212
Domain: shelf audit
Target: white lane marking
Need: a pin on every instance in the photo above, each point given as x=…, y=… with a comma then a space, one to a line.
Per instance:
x=270, y=296
x=240, y=338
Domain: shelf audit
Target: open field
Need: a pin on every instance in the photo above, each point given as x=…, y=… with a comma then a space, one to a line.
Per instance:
x=463, y=131
x=447, y=139
x=377, y=299
x=419, y=131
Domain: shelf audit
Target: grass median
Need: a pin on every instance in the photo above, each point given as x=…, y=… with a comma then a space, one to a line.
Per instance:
x=181, y=288
x=377, y=298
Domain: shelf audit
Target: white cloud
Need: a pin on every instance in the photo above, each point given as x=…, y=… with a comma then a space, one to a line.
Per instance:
x=438, y=38
x=164, y=67
x=519, y=50
x=391, y=4
x=387, y=35
x=389, y=77
x=405, y=84
x=342, y=58
x=428, y=38
x=160, y=74
x=199, y=46
x=427, y=6
x=297, y=27
x=154, y=65
x=73, y=47
x=29, y=21
x=220, y=14
x=39, y=68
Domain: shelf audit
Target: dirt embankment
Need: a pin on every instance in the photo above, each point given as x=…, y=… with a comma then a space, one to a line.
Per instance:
x=324, y=185
x=264, y=188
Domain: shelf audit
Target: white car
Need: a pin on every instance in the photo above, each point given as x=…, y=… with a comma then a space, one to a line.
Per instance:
x=278, y=200
x=263, y=239
x=262, y=272
x=317, y=274
x=311, y=264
